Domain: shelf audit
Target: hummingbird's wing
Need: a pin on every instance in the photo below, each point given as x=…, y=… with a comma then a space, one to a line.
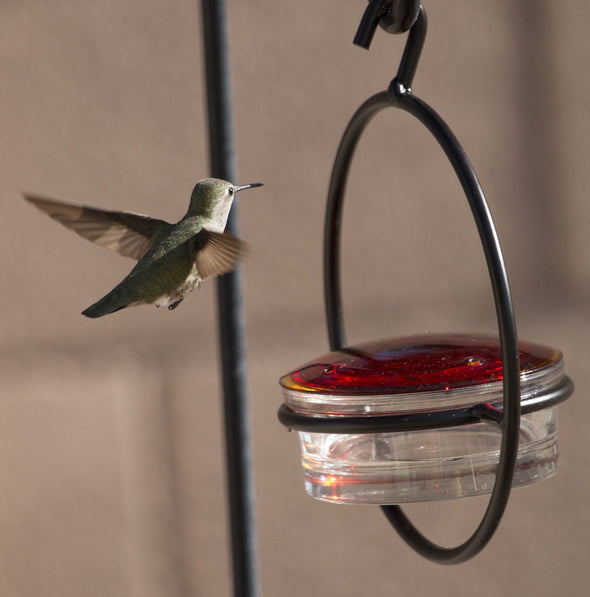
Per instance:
x=128, y=234
x=216, y=253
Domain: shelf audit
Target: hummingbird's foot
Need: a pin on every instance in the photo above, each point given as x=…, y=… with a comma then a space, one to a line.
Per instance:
x=174, y=305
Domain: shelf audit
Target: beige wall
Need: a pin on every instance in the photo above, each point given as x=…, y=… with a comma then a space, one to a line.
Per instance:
x=111, y=471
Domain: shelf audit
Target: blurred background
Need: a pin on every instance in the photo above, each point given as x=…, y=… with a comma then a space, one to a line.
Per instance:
x=112, y=476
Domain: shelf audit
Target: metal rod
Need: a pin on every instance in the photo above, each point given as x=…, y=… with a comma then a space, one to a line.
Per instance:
x=230, y=314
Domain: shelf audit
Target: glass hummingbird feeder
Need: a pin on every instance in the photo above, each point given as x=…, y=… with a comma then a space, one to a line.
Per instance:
x=428, y=417
x=442, y=394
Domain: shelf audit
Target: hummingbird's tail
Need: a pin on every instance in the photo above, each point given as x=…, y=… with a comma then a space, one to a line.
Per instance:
x=107, y=304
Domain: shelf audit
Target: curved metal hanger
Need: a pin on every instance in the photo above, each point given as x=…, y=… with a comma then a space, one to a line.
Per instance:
x=399, y=95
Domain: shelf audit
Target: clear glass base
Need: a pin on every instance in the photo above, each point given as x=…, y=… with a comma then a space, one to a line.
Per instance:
x=438, y=464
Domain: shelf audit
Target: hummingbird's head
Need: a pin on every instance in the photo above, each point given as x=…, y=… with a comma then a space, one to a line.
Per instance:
x=212, y=199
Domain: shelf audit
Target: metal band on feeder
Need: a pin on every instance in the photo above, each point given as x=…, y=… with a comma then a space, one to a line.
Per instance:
x=369, y=397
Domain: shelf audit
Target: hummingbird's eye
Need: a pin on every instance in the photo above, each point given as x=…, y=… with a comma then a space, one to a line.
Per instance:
x=230, y=191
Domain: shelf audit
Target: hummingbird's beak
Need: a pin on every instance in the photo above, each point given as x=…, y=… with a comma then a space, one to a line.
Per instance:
x=248, y=186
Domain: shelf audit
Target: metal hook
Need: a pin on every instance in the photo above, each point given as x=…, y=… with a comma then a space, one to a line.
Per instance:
x=397, y=17
x=394, y=16
x=411, y=56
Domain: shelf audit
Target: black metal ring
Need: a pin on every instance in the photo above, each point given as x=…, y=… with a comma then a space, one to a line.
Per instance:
x=400, y=96
x=436, y=419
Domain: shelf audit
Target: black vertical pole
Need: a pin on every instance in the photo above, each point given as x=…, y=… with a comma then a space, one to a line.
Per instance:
x=231, y=324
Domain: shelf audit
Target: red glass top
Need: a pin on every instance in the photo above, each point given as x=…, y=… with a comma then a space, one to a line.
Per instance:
x=414, y=364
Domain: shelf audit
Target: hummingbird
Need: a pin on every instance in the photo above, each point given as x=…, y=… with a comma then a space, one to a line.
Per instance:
x=173, y=259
